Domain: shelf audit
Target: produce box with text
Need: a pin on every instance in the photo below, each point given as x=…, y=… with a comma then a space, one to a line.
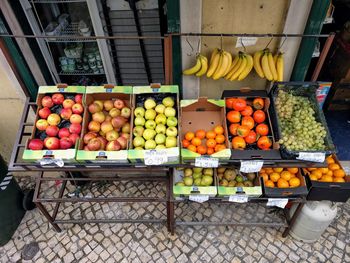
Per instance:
x=107, y=124
x=58, y=124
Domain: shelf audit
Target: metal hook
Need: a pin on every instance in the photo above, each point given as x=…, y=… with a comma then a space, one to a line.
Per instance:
x=188, y=42
x=269, y=42
x=243, y=44
x=284, y=40
x=221, y=42
x=199, y=44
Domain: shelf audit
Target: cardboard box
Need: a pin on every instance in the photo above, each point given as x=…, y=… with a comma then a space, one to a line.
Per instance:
x=106, y=92
x=252, y=151
x=183, y=191
x=141, y=93
x=67, y=155
x=203, y=114
x=335, y=192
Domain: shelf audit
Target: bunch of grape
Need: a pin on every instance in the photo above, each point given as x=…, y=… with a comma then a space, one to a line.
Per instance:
x=300, y=130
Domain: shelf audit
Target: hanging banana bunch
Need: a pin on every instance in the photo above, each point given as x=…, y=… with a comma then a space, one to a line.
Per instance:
x=268, y=66
x=200, y=68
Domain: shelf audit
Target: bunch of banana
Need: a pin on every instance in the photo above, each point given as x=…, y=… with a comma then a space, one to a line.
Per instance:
x=240, y=68
x=200, y=68
x=220, y=63
x=268, y=66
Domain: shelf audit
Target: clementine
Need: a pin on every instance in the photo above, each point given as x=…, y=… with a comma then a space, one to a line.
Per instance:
x=200, y=134
x=211, y=143
x=185, y=143
x=189, y=136
x=220, y=138
x=201, y=149
x=210, y=135
x=192, y=148
x=196, y=141
x=219, y=129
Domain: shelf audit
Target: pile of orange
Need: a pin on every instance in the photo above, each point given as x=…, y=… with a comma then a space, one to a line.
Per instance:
x=333, y=173
x=280, y=177
x=203, y=142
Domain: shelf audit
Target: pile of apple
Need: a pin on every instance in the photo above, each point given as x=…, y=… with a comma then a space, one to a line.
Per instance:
x=109, y=127
x=60, y=121
x=155, y=125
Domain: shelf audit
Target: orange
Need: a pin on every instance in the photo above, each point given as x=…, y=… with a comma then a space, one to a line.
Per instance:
x=313, y=177
x=277, y=170
x=196, y=141
x=317, y=173
x=185, y=143
x=192, y=148
x=262, y=170
x=324, y=170
x=200, y=134
x=210, y=135
x=210, y=151
x=269, y=183
x=330, y=173
x=189, y=136
x=326, y=178
x=201, y=149
x=269, y=170
x=281, y=183
x=265, y=177
x=274, y=177
x=211, y=143
x=330, y=160
x=338, y=180
x=293, y=170
x=333, y=166
x=294, y=182
x=219, y=147
x=286, y=175
x=219, y=129
x=220, y=138
x=339, y=173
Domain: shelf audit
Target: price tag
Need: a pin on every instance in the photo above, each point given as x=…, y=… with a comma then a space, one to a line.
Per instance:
x=313, y=157
x=279, y=202
x=206, y=162
x=247, y=41
x=238, y=198
x=199, y=198
x=48, y=161
x=251, y=166
x=155, y=157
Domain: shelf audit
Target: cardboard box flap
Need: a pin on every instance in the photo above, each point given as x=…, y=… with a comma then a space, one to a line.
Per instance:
x=109, y=88
x=61, y=88
x=244, y=91
x=202, y=104
x=156, y=89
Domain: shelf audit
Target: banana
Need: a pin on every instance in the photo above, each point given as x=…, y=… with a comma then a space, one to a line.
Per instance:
x=275, y=59
x=272, y=65
x=213, y=54
x=265, y=67
x=280, y=66
x=248, y=67
x=228, y=54
x=257, y=65
x=233, y=64
x=213, y=65
x=204, y=68
x=222, y=66
x=195, y=68
x=240, y=69
x=236, y=67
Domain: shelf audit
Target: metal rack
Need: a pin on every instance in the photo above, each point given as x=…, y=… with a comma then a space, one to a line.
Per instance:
x=72, y=31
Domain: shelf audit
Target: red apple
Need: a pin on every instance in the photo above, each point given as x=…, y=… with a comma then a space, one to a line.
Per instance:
x=113, y=146
x=47, y=102
x=35, y=144
x=78, y=98
x=108, y=118
x=103, y=142
x=41, y=124
x=57, y=98
x=77, y=108
x=126, y=135
x=75, y=128
x=86, y=148
x=108, y=105
x=125, y=112
x=94, y=107
x=123, y=142
x=52, y=131
x=90, y=135
x=46, y=140
x=99, y=117
x=74, y=137
x=68, y=103
x=75, y=118
x=54, y=119
x=106, y=126
x=52, y=143
x=118, y=121
x=119, y=104
x=44, y=112
x=94, y=144
x=64, y=132
x=126, y=128
x=66, y=113
x=94, y=126
x=112, y=135
x=66, y=143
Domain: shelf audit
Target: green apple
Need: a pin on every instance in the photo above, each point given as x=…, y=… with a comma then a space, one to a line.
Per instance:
x=150, y=124
x=150, y=104
x=160, y=119
x=188, y=172
x=150, y=144
x=139, y=112
x=208, y=171
x=197, y=170
x=138, y=131
x=170, y=112
x=138, y=141
x=168, y=102
x=150, y=114
x=139, y=121
x=197, y=182
x=160, y=108
x=180, y=184
x=138, y=148
x=149, y=134
x=207, y=180
x=160, y=138
x=160, y=129
x=171, y=131
x=170, y=142
x=171, y=121
x=160, y=147
x=197, y=175
x=188, y=181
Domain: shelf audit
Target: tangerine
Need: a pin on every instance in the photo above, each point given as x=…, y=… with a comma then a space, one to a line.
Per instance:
x=278, y=170
x=294, y=182
x=262, y=170
x=313, y=177
x=219, y=147
x=338, y=180
x=210, y=135
x=269, y=183
x=201, y=149
x=220, y=138
x=192, y=148
x=293, y=170
x=274, y=177
x=219, y=129
x=330, y=160
x=200, y=134
x=330, y=173
x=326, y=178
x=196, y=141
x=211, y=143
x=269, y=170
x=339, y=173
x=333, y=166
x=210, y=151
x=324, y=170
x=185, y=143
x=282, y=183
x=286, y=175
x=317, y=173
x=264, y=176
x=189, y=136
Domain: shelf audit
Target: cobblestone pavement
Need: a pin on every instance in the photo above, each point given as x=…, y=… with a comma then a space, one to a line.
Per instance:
x=152, y=243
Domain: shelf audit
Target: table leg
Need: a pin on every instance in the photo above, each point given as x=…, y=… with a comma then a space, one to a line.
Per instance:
x=293, y=219
x=47, y=215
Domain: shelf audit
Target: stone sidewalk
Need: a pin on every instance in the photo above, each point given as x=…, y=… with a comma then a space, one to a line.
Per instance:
x=151, y=243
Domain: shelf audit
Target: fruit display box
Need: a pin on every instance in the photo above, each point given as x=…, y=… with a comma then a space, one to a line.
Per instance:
x=47, y=106
x=251, y=150
x=335, y=192
x=305, y=90
x=155, y=123
x=103, y=94
x=287, y=192
x=181, y=191
x=203, y=114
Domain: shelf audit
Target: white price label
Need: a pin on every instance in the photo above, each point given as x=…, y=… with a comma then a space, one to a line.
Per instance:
x=48, y=161
x=313, y=157
x=238, y=198
x=251, y=166
x=206, y=162
x=199, y=198
x=155, y=157
x=247, y=41
x=279, y=202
